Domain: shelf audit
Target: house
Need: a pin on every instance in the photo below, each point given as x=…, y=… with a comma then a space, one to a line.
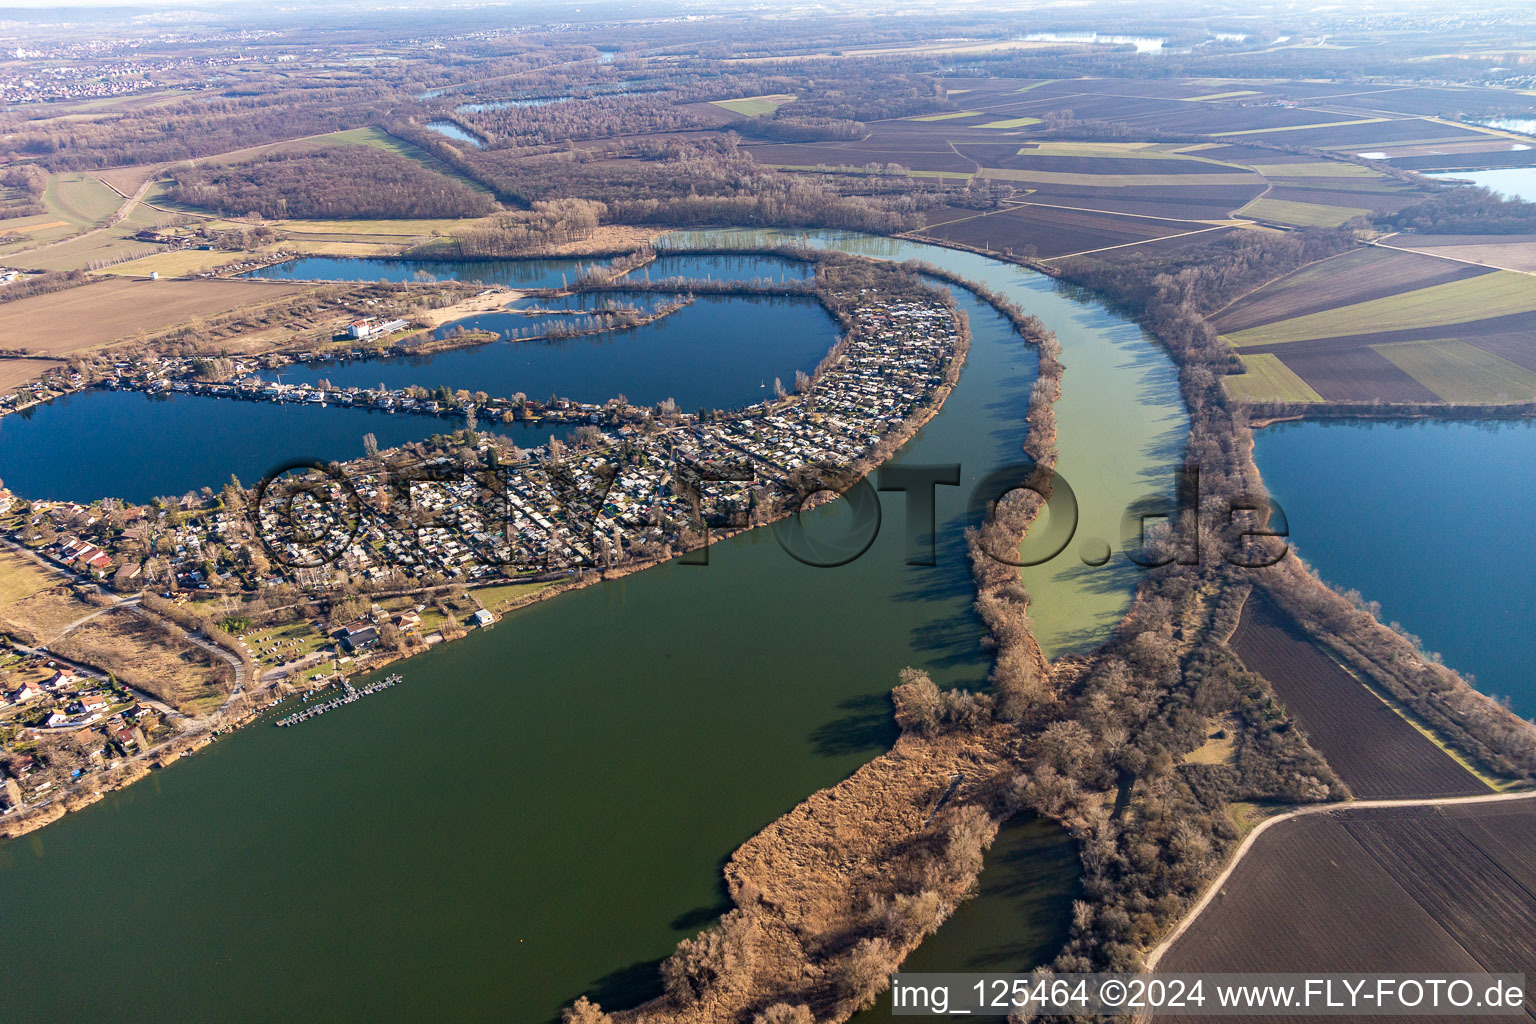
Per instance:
x=62, y=678
x=482, y=618
x=359, y=638
x=24, y=693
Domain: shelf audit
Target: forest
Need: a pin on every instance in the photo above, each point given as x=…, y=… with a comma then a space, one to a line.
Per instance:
x=337, y=181
x=1463, y=211
x=704, y=179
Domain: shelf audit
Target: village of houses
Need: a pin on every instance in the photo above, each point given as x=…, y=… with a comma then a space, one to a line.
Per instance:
x=629, y=488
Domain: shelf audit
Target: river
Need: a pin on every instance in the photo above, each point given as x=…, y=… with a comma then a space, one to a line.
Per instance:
x=1430, y=519
x=542, y=809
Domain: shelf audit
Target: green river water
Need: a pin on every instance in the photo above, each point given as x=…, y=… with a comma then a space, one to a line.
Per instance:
x=542, y=809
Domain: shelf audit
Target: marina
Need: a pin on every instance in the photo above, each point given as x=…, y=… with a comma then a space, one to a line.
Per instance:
x=350, y=694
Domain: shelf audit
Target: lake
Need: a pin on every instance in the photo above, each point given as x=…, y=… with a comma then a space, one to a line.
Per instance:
x=1513, y=182
x=457, y=134
x=130, y=445
x=719, y=352
x=1523, y=125
x=1143, y=44
x=542, y=810
x=485, y=105
x=1430, y=519
x=510, y=273
x=723, y=267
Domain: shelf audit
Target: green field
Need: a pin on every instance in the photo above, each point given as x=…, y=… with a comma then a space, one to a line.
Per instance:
x=394, y=230
x=1304, y=127
x=79, y=253
x=180, y=263
x=20, y=577
x=1367, y=187
x=1309, y=215
x=1012, y=122
x=1269, y=380
x=756, y=106
x=1128, y=180
x=1128, y=151
x=1500, y=293
x=81, y=199
x=1318, y=169
x=1459, y=372
x=946, y=117
x=1221, y=95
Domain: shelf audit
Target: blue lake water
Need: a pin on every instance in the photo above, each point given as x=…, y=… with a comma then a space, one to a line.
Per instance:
x=1514, y=182
x=135, y=446
x=511, y=273
x=721, y=352
x=457, y=134
x=536, y=101
x=724, y=267
x=1430, y=519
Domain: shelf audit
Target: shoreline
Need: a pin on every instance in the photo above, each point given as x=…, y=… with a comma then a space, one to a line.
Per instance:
x=205, y=731
x=493, y=300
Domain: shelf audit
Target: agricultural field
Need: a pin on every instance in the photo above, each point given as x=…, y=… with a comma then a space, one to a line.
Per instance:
x=951, y=116
x=1376, y=751
x=1504, y=252
x=81, y=198
x=1048, y=232
x=50, y=324
x=1391, y=325
x=14, y=372
x=1267, y=379
x=755, y=106
x=1444, y=889
x=87, y=250
x=179, y=263
x=1458, y=372
x=74, y=202
x=1479, y=297
x=1360, y=275
x=1307, y=215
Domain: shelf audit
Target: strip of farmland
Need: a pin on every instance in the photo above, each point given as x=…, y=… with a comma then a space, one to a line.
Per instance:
x=1051, y=231
x=1377, y=752
x=1350, y=278
x=1444, y=889
x=50, y=324
x=1496, y=294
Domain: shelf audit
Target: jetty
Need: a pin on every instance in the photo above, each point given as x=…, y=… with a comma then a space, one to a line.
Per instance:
x=349, y=695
